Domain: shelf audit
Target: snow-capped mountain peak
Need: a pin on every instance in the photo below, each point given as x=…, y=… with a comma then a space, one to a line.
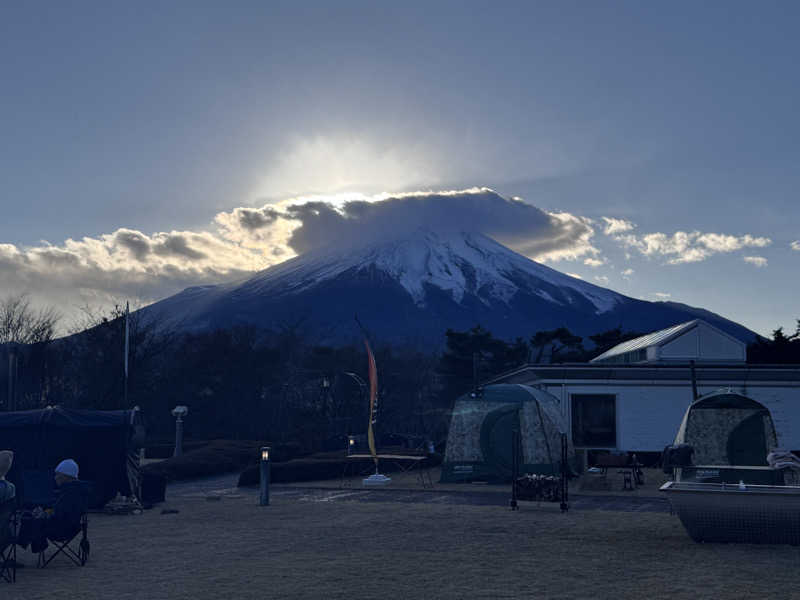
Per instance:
x=411, y=288
x=459, y=263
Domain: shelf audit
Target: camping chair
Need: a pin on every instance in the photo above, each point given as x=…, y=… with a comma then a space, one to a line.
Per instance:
x=8, y=541
x=36, y=489
x=69, y=520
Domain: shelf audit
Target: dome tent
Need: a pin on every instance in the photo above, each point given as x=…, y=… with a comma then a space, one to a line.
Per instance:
x=727, y=428
x=730, y=436
x=479, y=438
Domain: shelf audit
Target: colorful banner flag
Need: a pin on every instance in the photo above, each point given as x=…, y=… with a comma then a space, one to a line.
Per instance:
x=373, y=395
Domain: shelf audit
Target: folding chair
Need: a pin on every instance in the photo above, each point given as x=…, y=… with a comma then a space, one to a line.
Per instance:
x=8, y=541
x=36, y=488
x=69, y=521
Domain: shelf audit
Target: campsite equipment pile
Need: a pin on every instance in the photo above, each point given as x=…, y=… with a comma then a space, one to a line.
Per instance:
x=544, y=488
x=537, y=488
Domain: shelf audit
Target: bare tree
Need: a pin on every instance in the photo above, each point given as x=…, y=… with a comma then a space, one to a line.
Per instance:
x=25, y=334
x=21, y=323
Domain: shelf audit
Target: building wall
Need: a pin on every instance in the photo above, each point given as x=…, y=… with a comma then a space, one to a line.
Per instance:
x=703, y=343
x=649, y=413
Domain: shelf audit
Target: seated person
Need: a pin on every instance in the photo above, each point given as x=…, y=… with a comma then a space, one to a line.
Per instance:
x=64, y=520
x=71, y=501
x=7, y=490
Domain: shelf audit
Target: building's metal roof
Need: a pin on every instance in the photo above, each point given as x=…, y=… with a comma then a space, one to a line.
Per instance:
x=657, y=338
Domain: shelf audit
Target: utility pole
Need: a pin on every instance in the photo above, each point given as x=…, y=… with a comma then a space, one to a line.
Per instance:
x=13, y=371
x=10, y=378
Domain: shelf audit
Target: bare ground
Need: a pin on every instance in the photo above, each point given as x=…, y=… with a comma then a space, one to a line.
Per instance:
x=231, y=548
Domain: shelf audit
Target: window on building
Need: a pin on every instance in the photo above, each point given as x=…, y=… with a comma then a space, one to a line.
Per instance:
x=594, y=420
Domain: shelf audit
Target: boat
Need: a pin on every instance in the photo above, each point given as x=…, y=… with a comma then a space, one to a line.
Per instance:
x=723, y=512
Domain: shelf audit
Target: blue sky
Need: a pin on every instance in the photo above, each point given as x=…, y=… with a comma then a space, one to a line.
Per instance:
x=155, y=120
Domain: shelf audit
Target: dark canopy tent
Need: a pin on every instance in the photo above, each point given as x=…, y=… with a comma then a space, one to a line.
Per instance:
x=103, y=443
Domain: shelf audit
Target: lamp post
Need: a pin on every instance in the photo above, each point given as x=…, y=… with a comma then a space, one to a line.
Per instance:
x=264, y=477
x=179, y=412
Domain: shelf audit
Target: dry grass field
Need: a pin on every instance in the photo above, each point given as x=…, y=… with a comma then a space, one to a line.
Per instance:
x=232, y=549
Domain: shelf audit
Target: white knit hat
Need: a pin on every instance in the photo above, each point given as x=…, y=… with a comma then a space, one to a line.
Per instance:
x=68, y=467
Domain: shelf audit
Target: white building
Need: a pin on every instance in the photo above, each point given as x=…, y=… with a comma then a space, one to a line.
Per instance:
x=633, y=397
x=694, y=340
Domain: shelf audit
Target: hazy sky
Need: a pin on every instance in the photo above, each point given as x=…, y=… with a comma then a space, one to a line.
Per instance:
x=134, y=135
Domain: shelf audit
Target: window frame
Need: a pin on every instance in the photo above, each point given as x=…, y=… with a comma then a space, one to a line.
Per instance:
x=572, y=398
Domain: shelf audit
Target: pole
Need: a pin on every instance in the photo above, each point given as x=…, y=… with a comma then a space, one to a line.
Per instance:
x=564, y=473
x=264, y=474
x=127, y=346
x=515, y=443
x=475, y=373
x=10, y=401
x=694, y=381
x=178, y=436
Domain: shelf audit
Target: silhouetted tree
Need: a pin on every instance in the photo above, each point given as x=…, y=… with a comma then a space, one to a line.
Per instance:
x=781, y=349
x=476, y=349
x=557, y=345
x=26, y=334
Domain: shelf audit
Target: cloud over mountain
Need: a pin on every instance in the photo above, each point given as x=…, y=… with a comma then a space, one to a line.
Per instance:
x=306, y=224
x=130, y=263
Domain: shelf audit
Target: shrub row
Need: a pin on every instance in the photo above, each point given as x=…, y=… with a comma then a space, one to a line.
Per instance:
x=218, y=457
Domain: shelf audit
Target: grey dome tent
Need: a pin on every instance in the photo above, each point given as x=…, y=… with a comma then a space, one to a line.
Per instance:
x=728, y=429
x=479, y=446
x=103, y=443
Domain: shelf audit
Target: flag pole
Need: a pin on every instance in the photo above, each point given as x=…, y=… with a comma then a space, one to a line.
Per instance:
x=376, y=478
x=127, y=347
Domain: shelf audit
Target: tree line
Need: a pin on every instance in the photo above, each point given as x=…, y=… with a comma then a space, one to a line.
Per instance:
x=248, y=383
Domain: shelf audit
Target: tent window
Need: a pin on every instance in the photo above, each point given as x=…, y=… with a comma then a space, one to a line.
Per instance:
x=594, y=420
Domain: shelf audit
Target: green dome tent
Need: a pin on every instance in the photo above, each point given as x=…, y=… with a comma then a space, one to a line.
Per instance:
x=479, y=438
x=727, y=428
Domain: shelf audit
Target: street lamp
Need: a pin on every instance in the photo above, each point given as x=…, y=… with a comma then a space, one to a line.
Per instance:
x=264, y=477
x=179, y=412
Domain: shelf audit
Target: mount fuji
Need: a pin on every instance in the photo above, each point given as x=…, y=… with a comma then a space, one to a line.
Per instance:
x=411, y=289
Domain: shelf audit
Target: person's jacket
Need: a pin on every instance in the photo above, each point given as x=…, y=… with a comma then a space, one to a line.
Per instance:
x=7, y=491
x=72, y=501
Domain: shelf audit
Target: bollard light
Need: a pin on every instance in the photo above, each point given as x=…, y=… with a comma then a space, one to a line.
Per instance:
x=351, y=444
x=264, y=476
x=179, y=412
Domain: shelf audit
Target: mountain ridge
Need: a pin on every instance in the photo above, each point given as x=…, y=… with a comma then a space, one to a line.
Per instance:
x=411, y=289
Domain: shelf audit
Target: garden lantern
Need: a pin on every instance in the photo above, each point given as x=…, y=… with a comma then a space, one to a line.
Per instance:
x=264, y=476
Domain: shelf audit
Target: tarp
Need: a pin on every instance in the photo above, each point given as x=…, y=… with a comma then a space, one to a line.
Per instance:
x=99, y=441
x=727, y=428
x=479, y=438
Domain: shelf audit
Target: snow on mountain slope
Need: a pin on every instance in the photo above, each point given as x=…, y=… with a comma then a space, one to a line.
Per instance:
x=412, y=288
x=458, y=263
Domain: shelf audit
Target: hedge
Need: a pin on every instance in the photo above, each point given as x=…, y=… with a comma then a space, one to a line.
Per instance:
x=218, y=457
